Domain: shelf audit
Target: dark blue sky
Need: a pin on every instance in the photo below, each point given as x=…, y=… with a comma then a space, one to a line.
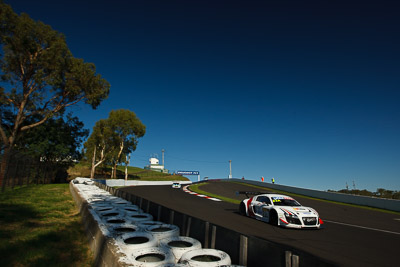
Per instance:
x=303, y=91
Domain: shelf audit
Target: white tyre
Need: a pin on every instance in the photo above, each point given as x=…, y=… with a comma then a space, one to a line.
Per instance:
x=205, y=257
x=134, y=241
x=99, y=203
x=123, y=228
x=112, y=198
x=130, y=208
x=173, y=265
x=102, y=207
x=162, y=231
x=137, y=217
x=144, y=224
x=110, y=213
x=179, y=245
x=152, y=256
x=120, y=202
x=114, y=220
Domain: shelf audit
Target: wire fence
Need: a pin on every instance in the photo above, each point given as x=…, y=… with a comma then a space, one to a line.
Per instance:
x=25, y=170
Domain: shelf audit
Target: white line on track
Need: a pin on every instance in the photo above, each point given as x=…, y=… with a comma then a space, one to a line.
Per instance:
x=363, y=227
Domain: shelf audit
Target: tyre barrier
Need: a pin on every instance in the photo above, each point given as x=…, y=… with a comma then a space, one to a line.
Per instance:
x=120, y=202
x=145, y=242
x=115, y=220
x=89, y=182
x=138, y=240
x=179, y=245
x=137, y=217
x=205, y=258
x=103, y=207
x=123, y=228
x=144, y=224
x=110, y=213
x=174, y=265
x=130, y=208
x=161, y=231
x=152, y=256
x=111, y=198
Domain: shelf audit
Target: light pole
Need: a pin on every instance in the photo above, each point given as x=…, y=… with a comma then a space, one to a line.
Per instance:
x=230, y=169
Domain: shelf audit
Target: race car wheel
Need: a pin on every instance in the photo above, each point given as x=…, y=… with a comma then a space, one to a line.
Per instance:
x=242, y=209
x=273, y=218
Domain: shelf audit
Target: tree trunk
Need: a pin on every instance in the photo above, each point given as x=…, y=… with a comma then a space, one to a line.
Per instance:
x=115, y=171
x=5, y=160
x=93, y=163
x=128, y=159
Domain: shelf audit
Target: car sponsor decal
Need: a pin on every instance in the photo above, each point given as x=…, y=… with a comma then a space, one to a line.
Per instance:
x=286, y=211
x=277, y=198
x=249, y=209
x=285, y=222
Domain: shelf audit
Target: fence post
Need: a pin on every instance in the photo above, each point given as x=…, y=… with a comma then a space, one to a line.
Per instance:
x=243, y=250
x=213, y=236
x=288, y=258
x=207, y=233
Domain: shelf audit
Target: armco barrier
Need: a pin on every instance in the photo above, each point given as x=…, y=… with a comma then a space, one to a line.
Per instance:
x=122, y=182
x=388, y=204
x=243, y=250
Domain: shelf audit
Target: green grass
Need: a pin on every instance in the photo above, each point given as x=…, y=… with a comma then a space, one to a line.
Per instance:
x=40, y=226
x=195, y=188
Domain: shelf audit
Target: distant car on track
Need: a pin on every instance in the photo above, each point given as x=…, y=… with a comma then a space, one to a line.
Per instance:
x=279, y=210
x=176, y=185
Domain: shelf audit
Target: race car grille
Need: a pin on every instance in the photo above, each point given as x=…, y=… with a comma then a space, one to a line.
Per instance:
x=310, y=220
x=293, y=220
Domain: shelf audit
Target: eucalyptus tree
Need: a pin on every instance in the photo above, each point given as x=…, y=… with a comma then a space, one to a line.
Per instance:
x=39, y=77
x=99, y=144
x=128, y=128
x=113, y=139
x=56, y=140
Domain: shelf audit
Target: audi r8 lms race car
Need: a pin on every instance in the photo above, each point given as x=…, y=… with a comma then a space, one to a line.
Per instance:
x=279, y=210
x=176, y=185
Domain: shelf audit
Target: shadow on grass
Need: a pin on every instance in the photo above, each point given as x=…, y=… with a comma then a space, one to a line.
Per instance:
x=26, y=241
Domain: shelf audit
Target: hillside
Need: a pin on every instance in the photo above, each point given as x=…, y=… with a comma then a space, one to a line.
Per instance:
x=134, y=173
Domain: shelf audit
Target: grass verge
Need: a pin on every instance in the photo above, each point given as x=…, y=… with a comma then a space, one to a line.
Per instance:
x=195, y=188
x=40, y=226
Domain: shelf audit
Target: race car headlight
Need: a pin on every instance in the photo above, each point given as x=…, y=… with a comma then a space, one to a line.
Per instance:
x=292, y=218
x=291, y=215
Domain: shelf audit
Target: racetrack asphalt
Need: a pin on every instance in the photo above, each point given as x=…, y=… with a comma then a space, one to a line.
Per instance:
x=352, y=236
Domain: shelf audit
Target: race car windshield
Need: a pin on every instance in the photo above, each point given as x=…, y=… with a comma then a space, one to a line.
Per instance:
x=285, y=202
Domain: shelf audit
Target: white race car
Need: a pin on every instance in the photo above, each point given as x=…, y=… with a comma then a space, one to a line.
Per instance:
x=279, y=210
x=176, y=185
